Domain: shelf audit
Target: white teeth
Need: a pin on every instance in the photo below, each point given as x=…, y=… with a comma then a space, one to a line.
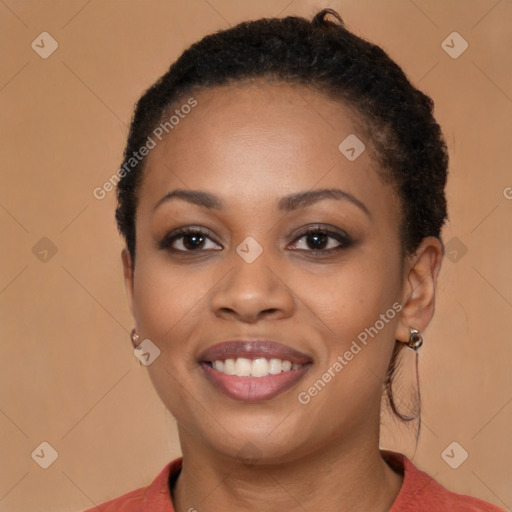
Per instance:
x=276, y=366
x=229, y=367
x=243, y=367
x=219, y=365
x=287, y=366
x=259, y=367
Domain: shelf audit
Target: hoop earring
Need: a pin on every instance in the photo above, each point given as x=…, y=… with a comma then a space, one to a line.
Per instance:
x=415, y=339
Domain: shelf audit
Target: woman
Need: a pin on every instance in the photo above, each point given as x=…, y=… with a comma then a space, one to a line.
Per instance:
x=281, y=199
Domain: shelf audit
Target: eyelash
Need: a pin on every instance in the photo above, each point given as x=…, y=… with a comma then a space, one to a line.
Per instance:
x=344, y=240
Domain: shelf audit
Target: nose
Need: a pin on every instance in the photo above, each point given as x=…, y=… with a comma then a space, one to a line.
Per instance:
x=252, y=291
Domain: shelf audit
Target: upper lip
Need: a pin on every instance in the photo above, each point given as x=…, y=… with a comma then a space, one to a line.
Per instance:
x=252, y=349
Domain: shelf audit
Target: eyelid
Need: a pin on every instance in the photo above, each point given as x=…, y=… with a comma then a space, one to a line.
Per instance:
x=326, y=228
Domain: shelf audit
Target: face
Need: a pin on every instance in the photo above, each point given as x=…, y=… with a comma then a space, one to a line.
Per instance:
x=248, y=270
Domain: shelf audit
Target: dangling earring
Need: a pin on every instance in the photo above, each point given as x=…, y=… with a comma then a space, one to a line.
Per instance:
x=135, y=338
x=415, y=339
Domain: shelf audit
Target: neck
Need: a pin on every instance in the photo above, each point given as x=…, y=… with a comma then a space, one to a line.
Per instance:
x=347, y=475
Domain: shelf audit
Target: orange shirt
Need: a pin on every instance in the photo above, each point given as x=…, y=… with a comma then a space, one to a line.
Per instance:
x=419, y=493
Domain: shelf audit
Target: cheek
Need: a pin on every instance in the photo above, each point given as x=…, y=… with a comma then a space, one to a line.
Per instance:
x=168, y=306
x=358, y=321
x=168, y=303
x=360, y=308
x=355, y=296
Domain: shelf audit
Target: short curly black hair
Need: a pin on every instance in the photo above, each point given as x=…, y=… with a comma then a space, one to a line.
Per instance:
x=323, y=54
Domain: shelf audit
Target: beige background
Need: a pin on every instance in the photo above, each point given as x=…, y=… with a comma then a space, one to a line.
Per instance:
x=68, y=375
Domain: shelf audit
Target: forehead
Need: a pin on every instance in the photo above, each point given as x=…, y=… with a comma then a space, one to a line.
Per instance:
x=256, y=141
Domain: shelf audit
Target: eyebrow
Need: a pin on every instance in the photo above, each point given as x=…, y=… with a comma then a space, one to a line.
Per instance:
x=286, y=204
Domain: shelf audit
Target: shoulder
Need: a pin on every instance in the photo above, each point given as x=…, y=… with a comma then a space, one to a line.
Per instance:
x=155, y=497
x=421, y=493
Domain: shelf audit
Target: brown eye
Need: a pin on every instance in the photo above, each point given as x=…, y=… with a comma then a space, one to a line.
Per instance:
x=186, y=240
x=322, y=240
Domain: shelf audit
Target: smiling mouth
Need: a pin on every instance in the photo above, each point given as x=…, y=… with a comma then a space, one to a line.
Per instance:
x=253, y=370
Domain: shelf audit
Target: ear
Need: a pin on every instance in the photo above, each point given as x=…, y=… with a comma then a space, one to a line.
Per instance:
x=128, y=278
x=418, y=296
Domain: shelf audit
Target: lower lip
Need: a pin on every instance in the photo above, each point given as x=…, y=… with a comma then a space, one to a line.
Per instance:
x=253, y=389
